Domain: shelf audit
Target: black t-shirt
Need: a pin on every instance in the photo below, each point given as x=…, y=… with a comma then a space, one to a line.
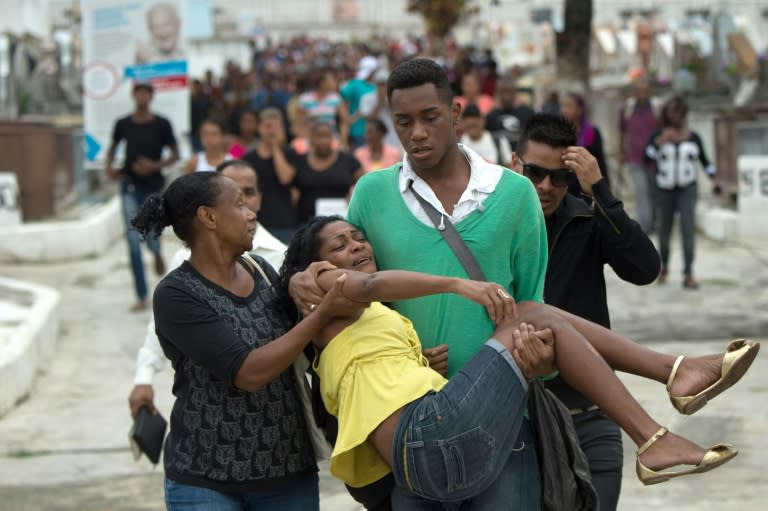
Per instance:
x=222, y=437
x=509, y=122
x=276, y=212
x=331, y=183
x=143, y=139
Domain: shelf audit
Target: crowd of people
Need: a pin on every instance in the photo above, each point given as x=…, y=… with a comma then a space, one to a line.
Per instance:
x=423, y=399
x=344, y=86
x=326, y=110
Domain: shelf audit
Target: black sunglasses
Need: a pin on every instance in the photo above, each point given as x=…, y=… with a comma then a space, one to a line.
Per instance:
x=558, y=177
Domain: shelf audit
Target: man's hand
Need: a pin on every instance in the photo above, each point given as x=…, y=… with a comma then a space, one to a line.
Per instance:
x=141, y=395
x=305, y=290
x=534, y=351
x=143, y=166
x=437, y=358
x=584, y=165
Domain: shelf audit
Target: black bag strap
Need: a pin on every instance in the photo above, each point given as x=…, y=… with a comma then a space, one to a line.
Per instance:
x=452, y=237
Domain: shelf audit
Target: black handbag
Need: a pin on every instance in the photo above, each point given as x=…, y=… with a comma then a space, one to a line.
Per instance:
x=149, y=432
x=566, y=483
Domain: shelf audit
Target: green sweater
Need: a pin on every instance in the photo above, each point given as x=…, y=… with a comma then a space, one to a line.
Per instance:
x=508, y=238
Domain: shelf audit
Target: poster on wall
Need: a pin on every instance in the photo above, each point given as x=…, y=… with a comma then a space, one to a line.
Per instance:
x=125, y=42
x=345, y=11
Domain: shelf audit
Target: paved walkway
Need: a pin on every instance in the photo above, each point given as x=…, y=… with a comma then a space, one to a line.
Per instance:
x=65, y=447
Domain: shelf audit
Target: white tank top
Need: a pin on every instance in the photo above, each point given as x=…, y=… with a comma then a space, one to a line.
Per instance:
x=204, y=166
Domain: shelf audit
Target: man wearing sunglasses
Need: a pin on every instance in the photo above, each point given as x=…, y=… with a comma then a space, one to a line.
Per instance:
x=582, y=239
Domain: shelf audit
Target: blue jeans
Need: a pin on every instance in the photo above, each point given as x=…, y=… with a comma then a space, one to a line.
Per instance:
x=303, y=495
x=453, y=445
x=645, y=195
x=132, y=198
x=683, y=201
x=518, y=486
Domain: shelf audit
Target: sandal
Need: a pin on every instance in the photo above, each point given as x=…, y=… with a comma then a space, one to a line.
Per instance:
x=716, y=455
x=738, y=357
x=690, y=283
x=662, y=279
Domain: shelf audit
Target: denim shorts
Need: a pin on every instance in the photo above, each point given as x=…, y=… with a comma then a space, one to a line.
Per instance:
x=452, y=444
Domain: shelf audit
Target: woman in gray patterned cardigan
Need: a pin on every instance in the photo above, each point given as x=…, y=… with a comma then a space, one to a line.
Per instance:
x=238, y=438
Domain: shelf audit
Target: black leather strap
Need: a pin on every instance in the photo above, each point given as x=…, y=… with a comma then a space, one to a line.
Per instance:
x=452, y=237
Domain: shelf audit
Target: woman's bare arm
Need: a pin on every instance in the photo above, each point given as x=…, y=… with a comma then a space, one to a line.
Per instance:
x=393, y=285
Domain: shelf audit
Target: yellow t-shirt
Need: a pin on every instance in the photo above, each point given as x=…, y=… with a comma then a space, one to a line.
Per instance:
x=367, y=372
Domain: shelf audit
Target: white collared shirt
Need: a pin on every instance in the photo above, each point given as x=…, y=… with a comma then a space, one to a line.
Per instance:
x=268, y=247
x=483, y=179
x=150, y=358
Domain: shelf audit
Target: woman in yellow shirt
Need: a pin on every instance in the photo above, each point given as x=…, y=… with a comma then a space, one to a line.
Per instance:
x=448, y=440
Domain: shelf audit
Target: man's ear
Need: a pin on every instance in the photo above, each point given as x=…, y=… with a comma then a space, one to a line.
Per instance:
x=206, y=216
x=456, y=112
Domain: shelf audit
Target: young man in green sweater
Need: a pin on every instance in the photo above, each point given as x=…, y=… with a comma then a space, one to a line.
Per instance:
x=495, y=211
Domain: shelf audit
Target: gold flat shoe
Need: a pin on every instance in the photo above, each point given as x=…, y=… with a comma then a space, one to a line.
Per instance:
x=738, y=357
x=716, y=455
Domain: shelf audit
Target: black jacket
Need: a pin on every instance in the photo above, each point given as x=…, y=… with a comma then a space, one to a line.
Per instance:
x=582, y=239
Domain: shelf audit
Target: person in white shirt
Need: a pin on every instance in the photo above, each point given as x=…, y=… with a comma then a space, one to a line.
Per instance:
x=214, y=153
x=374, y=104
x=150, y=358
x=493, y=149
